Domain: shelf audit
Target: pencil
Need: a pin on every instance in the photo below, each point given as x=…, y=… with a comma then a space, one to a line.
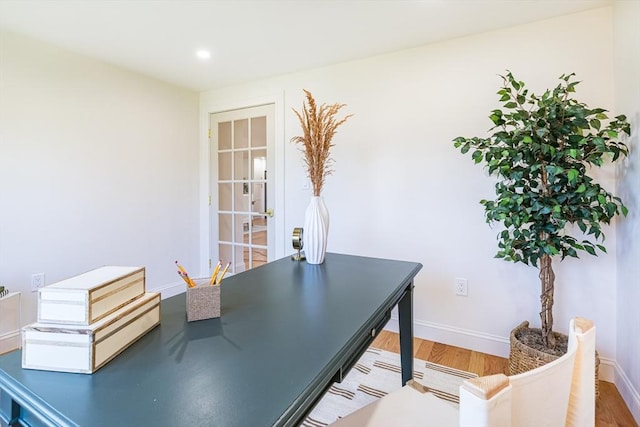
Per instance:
x=185, y=278
x=215, y=273
x=193, y=283
x=181, y=268
x=223, y=273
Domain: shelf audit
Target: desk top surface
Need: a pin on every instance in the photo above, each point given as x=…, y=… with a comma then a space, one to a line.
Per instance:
x=282, y=326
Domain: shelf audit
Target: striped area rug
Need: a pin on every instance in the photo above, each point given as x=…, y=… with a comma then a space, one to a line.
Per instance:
x=376, y=374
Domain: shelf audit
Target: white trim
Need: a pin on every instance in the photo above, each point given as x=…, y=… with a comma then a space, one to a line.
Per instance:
x=490, y=344
x=607, y=370
x=10, y=341
x=459, y=337
x=629, y=394
x=170, y=290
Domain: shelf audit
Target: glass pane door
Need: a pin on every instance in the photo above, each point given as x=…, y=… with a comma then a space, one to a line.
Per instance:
x=243, y=215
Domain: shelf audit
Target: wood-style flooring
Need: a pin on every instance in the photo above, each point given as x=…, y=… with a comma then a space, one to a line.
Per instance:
x=611, y=410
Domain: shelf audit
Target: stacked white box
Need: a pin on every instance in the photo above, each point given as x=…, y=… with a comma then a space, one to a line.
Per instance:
x=88, y=297
x=87, y=320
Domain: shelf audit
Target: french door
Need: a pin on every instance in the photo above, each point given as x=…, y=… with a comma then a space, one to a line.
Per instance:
x=241, y=214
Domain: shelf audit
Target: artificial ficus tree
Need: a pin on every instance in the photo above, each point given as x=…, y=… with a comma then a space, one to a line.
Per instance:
x=542, y=149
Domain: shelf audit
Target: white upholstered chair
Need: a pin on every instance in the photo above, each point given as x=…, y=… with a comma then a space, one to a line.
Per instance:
x=560, y=393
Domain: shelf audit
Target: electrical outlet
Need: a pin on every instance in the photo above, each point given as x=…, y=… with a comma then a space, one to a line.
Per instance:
x=37, y=281
x=461, y=286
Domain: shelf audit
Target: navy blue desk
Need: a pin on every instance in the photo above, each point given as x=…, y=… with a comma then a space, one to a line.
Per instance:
x=287, y=330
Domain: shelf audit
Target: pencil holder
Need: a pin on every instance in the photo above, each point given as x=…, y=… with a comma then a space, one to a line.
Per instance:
x=203, y=301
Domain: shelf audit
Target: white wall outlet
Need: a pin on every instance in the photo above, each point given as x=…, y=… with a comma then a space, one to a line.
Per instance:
x=461, y=286
x=37, y=281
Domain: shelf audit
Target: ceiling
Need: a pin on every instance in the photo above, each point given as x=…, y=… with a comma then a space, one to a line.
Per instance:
x=251, y=40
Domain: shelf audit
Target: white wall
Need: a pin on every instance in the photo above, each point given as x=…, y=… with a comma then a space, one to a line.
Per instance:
x=627, y=90
x=98, y=166
x=400, y=190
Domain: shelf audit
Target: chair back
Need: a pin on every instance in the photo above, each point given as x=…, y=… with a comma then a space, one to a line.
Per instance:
x=540, y=397
x=582, y=408
x=560, y=393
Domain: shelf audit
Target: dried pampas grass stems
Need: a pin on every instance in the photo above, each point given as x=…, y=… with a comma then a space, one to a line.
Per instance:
x=319, y=125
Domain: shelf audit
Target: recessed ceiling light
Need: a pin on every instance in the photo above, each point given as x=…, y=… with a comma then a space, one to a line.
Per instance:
x=203, y=54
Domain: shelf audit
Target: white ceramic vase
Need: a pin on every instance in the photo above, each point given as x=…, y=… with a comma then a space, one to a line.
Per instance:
x=316, y=229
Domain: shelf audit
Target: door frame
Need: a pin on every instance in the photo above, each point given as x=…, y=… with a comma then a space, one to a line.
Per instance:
x=208, y=107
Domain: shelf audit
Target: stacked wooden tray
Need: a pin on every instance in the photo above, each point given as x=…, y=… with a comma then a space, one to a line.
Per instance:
x=87, y=320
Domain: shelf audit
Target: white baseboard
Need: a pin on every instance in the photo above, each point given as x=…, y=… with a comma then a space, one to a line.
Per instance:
x=170, y=289
x=10, y=341
x=629, y=394
x=459, y=337
x=607, y=370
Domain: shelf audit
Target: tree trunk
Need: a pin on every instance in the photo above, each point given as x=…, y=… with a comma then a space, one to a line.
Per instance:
x=547, y=278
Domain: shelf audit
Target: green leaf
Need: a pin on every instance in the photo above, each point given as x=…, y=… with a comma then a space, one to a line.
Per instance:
x=551, y=250
x=590, y=250
x=581, y=188
x=477, y=156
x=527, y=139
x=572, y=175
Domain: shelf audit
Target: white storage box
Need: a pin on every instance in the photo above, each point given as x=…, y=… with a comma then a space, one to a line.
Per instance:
x=85, y=349
x=88, y=297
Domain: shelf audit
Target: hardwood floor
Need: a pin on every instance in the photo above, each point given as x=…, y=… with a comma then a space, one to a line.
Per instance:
x=611, y=410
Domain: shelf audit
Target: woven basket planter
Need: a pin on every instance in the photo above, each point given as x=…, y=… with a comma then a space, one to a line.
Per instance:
x=523, y=358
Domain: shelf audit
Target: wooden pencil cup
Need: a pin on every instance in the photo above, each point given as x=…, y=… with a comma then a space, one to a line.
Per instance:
x=203, y=301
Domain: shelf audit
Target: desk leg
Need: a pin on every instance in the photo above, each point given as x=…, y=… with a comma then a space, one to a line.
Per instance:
x=15, y=414
x=405, y=320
